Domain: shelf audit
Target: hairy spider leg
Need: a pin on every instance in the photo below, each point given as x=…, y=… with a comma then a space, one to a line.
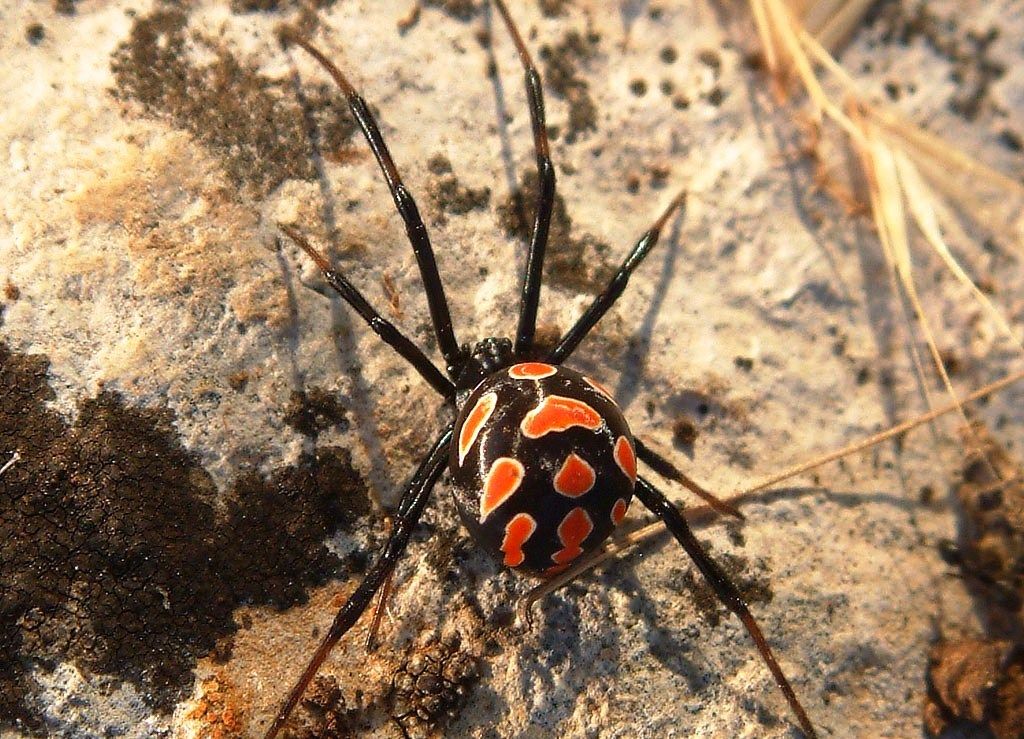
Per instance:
x=405, y=203
x=616, y=286
x=380, y=325
x=530, y=296
x=414, y=500
x=669, y=471
x=727, y=593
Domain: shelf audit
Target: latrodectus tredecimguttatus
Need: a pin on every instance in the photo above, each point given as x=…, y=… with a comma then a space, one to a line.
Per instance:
x=542, y=461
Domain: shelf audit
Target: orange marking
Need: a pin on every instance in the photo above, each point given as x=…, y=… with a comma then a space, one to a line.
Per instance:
x=502, y=481
x=475, y=422
x=575, y=527
x=599, y=387
x=518, y=530
x=575, y=478
x=554, y=570
x=625, y=458
x=558, y=413
x=531, y=371
x=619, y=511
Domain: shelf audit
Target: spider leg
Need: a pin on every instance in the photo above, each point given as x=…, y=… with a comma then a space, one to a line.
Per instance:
x=414, y=499
x=414, y=227
x=380, y=325
x=727, y=593
x=669, y=471
x=545, y=193
x=615, y=288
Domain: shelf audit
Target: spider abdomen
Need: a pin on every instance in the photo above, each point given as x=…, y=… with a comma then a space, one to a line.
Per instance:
x=542, y=464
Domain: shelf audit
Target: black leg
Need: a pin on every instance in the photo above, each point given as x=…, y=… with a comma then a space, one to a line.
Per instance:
x=414, y=499
x=651, y=497
x=670, y=472
x=611, y=293
x=381, y=326
x=545, y=193
x=414, y=228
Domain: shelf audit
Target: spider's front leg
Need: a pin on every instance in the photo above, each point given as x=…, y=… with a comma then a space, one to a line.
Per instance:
x=414, y=500
x=545, y=192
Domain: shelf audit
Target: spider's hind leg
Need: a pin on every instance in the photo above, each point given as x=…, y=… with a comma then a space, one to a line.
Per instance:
x=414, y=500
x=669, y=471
x=727, y=593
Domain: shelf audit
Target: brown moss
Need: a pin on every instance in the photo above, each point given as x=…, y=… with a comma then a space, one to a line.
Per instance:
x=975, y=688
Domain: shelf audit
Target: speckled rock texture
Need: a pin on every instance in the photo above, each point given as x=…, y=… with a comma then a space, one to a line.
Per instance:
x=208, y=440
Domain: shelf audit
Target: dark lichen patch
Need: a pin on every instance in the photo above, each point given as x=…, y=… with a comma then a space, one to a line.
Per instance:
x=314, y=411
x=426, y=691
x=448, y=196
x=430, y=688
x=684, y=431
x=578, y=263
x=638, y=87
x=65, y=7
x=252, y=124
x=974, y=69
x=324, y=712
x=752, y=586
x=35, y=33
x=118, y=555
x=561, y=74
x=976, y=682
x=991, y=545
x=553, y=8
x=462, y=10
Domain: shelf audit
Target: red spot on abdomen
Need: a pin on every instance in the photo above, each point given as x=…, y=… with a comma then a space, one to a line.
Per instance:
x=575, y=527
x=474, y=423
x=625, y=458
x=619, y=511
x=531, y=371
x=502, y=481
x=575, y=478
x=518, y=530
x=558, y=413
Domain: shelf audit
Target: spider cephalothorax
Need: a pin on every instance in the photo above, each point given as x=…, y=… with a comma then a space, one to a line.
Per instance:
x=543, y=463
x=542, y=466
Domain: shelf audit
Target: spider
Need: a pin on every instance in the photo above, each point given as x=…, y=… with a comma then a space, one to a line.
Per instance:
x=541, y=459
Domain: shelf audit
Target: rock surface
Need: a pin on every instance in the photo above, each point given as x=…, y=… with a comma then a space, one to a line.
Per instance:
x=187, y=397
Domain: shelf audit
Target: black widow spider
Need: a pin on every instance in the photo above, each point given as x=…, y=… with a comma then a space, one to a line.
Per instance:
x=542, y=462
